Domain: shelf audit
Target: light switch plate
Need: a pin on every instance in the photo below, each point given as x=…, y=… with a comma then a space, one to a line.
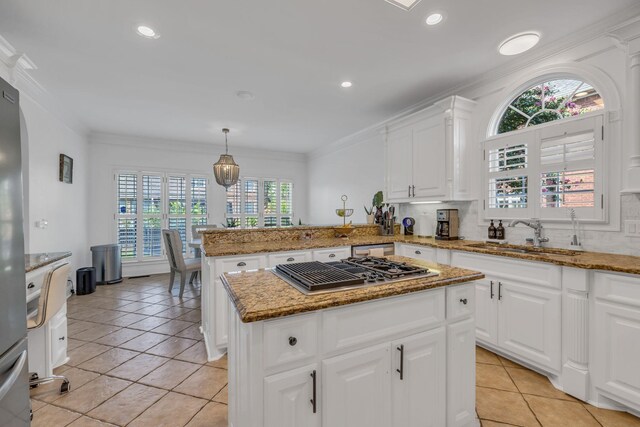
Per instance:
x=632, y=228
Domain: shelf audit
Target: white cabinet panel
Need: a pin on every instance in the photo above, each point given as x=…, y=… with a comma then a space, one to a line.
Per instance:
x=222, y=309
x=416, y=402
x=332, y=254
x=461, y=301
x=288, y=257
x=356, y=389
x=287, y=399
x=399, y=164
x=240, y=263
x=487, y=311
x=290, y=341
x=58, y=333
x=529, y=323
x=461, y=374
x=429, y=159
x=419, y=252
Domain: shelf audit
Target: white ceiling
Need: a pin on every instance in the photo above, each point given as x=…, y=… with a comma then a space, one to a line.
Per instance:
x=291, y=54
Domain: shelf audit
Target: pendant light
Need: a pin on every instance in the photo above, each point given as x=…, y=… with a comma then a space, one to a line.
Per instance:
x=226, y=170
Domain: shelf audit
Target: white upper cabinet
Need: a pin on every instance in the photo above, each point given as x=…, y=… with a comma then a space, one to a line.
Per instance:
x=427, y=153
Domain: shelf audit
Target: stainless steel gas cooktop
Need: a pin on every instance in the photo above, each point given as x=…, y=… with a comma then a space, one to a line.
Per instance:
x=317, y=277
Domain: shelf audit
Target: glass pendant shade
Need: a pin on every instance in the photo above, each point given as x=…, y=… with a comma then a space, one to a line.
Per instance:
x=226, y=170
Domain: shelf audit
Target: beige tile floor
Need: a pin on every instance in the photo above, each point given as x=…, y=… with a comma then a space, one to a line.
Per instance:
x=138, y=359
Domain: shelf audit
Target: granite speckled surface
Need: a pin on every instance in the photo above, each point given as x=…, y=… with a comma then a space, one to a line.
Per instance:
x=586, y=260
x=261, y=295
x=34, y=261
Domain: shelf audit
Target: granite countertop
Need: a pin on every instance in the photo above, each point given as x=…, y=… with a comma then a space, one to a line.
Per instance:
x=261, y=295
x=586, y=260
x=34, y=261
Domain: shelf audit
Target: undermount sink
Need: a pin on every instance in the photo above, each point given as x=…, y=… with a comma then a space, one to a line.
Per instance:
x=523, y=249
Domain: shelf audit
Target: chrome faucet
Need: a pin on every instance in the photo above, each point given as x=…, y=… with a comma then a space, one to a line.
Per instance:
x=538, y=240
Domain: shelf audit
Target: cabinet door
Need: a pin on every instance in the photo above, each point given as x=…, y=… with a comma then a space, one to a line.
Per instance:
x=356, y=389
x=429, y=159
x=399, y=163
x=529, y=323
x=58, y=333
x=461, y=374
x=417, y=402
x=221, y=319
x=287, y=399
x=487, y=310
x=617, y=349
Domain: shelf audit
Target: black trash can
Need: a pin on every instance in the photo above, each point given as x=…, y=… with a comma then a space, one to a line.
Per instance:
x=85, y=280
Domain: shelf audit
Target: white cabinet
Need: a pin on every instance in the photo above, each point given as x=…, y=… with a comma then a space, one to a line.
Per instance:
x=332, y=254
x=518, y=307
x=617, y=337
x=288, y=258
x=58, y=336
x=416, y=402
x=355, y=389
x=416, y=251
x=461, y=374
x=288, y=399
x=427, y=154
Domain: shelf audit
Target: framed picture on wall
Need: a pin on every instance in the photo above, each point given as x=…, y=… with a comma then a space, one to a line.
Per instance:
x=66, y=169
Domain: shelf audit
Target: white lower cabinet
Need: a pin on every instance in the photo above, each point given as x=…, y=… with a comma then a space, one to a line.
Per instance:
x=332, y=254
x=419, y=252
x=288, y=398
x=356, y=389
x=416, y=402
x=461, y=373
x=58, y=333
x=486, y=311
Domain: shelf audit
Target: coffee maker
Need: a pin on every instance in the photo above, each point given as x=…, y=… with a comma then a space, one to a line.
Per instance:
x=447, y=228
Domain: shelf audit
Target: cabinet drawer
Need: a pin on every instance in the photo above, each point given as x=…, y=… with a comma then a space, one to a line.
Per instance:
x=332, y=254
x=369, y=323
x=460, y=301
x=288, y=257
x=226, y=265
x=290, y=342
x=419, y=252
x=532, y=273
x=617, y=288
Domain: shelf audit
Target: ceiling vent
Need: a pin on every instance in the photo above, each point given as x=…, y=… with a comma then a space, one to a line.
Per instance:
x=404, y=4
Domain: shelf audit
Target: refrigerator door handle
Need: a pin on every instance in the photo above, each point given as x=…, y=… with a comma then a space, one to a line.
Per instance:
x=13, y=376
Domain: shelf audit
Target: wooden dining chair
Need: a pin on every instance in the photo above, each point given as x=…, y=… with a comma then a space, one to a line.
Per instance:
x=177, y=263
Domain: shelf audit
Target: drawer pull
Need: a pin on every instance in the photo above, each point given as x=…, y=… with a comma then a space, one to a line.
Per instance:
x=291, y=259
x=293, y=341
x=463, y=300
x=332, y=255
x=61, y=338
x=401, y=370
x=31, y=285
x=418, y=252
x=313, y=400
x=242, y=264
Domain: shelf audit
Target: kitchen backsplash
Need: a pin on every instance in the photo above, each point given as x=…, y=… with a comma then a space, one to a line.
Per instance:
x=597, y=241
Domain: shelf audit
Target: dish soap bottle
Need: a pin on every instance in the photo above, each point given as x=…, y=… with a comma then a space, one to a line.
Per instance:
x=500, y=231
x=492, y=231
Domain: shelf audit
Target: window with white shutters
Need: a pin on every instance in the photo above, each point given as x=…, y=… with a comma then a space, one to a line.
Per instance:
x=547, y=172
x=151, y=201
x=260, y=202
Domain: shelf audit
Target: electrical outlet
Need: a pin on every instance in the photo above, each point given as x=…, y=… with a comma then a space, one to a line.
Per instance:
x=632, y=228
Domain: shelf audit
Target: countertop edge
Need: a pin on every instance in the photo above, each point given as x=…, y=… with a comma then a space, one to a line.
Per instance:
x=53, y=257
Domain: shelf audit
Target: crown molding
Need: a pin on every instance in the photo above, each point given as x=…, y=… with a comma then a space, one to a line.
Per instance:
x=606, y=27
x=176, y=145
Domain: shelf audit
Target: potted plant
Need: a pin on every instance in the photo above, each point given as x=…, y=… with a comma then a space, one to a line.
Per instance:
x=370, y=216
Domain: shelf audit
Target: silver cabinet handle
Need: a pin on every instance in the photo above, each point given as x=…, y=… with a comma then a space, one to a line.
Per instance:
x=332, y=255
x=14, y=374
x=242, y=264
x=290, y=259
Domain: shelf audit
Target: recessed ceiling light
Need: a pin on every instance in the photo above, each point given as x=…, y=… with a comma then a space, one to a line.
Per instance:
x=581, y=94
x=404, y=4
x=147, y=32
x=245, y=94
x=434, y=19
x=519, y=43
x=346, y=84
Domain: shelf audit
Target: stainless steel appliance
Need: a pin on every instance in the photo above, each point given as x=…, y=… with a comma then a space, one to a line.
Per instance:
x=379, y=250
x=14, y=378
x=448, y=223
x=316, y=277
x=108, y=263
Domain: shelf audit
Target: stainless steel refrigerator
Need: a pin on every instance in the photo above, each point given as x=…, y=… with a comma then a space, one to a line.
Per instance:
x=14, y=387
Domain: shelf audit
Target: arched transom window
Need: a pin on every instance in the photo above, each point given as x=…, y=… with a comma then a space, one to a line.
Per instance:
x=549, y=101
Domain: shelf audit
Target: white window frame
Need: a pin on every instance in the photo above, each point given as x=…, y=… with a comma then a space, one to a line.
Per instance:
x=261, y=214
x=164, y=210
x=534, y=136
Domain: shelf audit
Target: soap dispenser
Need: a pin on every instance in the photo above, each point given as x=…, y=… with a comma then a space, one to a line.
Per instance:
x=500, y=231
x=492, y=231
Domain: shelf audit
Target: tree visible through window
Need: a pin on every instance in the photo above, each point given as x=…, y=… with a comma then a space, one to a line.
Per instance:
x=254, y=202
x=549, y=101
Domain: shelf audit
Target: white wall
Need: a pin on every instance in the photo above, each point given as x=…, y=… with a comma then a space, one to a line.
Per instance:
x=112, y=152
x=355, y=169
x=602, y=58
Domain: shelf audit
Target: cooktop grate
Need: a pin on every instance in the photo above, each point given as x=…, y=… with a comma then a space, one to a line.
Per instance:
x=317, y=275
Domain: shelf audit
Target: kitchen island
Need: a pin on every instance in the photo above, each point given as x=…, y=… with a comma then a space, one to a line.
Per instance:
x=394, y=354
